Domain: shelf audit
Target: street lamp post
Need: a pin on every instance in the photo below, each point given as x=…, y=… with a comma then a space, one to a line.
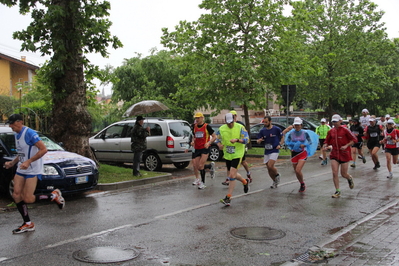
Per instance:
x=20, y=92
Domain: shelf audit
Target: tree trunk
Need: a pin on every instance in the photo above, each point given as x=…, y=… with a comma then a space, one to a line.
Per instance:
x=247, y=125
x=71, y=122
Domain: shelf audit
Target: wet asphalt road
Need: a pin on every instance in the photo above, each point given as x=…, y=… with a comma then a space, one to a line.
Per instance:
x=174, y=223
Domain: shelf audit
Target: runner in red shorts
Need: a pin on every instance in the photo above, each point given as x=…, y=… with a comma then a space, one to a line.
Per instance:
x=296, y=140
x=341, y=140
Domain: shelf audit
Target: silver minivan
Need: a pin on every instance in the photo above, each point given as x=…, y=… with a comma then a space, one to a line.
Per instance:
x=167, y=143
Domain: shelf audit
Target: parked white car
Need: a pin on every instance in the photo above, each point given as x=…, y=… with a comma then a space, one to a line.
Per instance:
x=167, y=143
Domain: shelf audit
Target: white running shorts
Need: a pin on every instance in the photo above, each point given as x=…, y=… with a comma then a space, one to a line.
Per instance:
x=271, y=156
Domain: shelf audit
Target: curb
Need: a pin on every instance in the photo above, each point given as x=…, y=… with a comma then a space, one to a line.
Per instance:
x=132, y=183
x=151, y=180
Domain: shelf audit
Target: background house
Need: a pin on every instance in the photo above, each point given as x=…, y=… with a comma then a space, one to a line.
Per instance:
x=15, y=74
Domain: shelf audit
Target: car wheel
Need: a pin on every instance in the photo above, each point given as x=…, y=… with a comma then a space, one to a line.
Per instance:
x=152, y=162
x=181, y=165
x=214, y=153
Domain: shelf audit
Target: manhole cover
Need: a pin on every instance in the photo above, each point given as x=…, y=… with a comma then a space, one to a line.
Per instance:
x=106, y=254
x=257, y=233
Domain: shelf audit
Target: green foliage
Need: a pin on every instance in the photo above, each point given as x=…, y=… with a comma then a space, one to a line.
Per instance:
x=348, y=52
x=232, y=53
x=154, y=77
x=7, y=106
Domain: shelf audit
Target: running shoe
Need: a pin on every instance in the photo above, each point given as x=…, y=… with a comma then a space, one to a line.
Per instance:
x=277, y=179
x=350, y=182
x=364, y=159
x=324, y=162
x=58, y=198
x=302, y=188
x=249, y=177
x=212, y=169
x=378, y=165
x=353, y=165
x=246, y=186
x=390, y=175
x=360, y=157
x=337, y=194
x=201, y=186
x=225, y=201
x=196, y=182
x=226, y=183
x=274, y=185
x=24, y=228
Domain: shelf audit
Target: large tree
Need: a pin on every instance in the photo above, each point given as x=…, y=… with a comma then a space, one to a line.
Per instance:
x=232, y=53
x=347, y=47
x=67, y=30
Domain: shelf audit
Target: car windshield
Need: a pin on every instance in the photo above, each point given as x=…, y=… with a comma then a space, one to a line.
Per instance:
x=50, y=145
x=180, y=129
x=9, y=140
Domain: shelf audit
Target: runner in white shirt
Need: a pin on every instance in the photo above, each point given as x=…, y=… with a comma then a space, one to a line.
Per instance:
x=364, y=120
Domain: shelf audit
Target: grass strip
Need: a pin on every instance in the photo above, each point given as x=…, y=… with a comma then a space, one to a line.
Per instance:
x=112, y=174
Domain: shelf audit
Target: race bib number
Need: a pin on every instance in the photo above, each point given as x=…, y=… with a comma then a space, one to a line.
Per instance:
x=199, y=134
x=390, y=142
x=355, y=132
x=230, y=149
x=21, y=157
x=374, y=134
x=268, y=146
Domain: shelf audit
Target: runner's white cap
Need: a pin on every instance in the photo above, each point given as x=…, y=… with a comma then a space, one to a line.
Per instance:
x=371, y=119
x=297, y=121
x=336, y=118
x=229, y=118
x=390, y=121
x=323, y=120
x=387, y=116
x=365, y=111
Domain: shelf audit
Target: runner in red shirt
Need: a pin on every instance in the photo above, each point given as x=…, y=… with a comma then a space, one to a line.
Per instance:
x=341, y=140
x=391, y=138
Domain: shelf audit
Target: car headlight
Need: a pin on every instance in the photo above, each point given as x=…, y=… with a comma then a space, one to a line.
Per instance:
x=49, y=170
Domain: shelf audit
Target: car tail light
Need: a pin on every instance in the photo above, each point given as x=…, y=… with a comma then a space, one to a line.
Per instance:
x=170, y=143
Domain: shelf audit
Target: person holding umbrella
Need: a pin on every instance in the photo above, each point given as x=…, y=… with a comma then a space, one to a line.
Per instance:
x=139, y=143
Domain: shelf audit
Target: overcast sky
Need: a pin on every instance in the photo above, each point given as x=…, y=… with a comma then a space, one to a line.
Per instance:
x=138, y=25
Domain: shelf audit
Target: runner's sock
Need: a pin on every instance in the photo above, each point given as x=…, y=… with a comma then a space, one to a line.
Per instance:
x=202, y=175
x=44, y=197
x=23, y=210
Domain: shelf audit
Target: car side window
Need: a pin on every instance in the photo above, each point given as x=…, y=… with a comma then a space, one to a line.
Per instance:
x=256, y=129
x=155, y=129
x=180, y=129
x=114, y=131
x=129, y=130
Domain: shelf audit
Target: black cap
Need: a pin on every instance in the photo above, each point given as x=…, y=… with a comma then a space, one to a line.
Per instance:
x=139, y=118
x=13, y=118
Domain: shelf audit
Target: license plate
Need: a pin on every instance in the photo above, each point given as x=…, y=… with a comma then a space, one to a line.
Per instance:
x=81, y=179
x=184, y=145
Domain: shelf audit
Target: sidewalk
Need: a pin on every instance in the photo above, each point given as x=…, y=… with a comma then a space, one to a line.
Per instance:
x=373, y=240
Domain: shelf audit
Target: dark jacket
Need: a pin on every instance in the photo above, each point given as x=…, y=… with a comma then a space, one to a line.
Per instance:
x=139, y=138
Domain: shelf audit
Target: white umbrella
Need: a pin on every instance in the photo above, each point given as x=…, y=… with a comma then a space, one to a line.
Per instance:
x=144, y=107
